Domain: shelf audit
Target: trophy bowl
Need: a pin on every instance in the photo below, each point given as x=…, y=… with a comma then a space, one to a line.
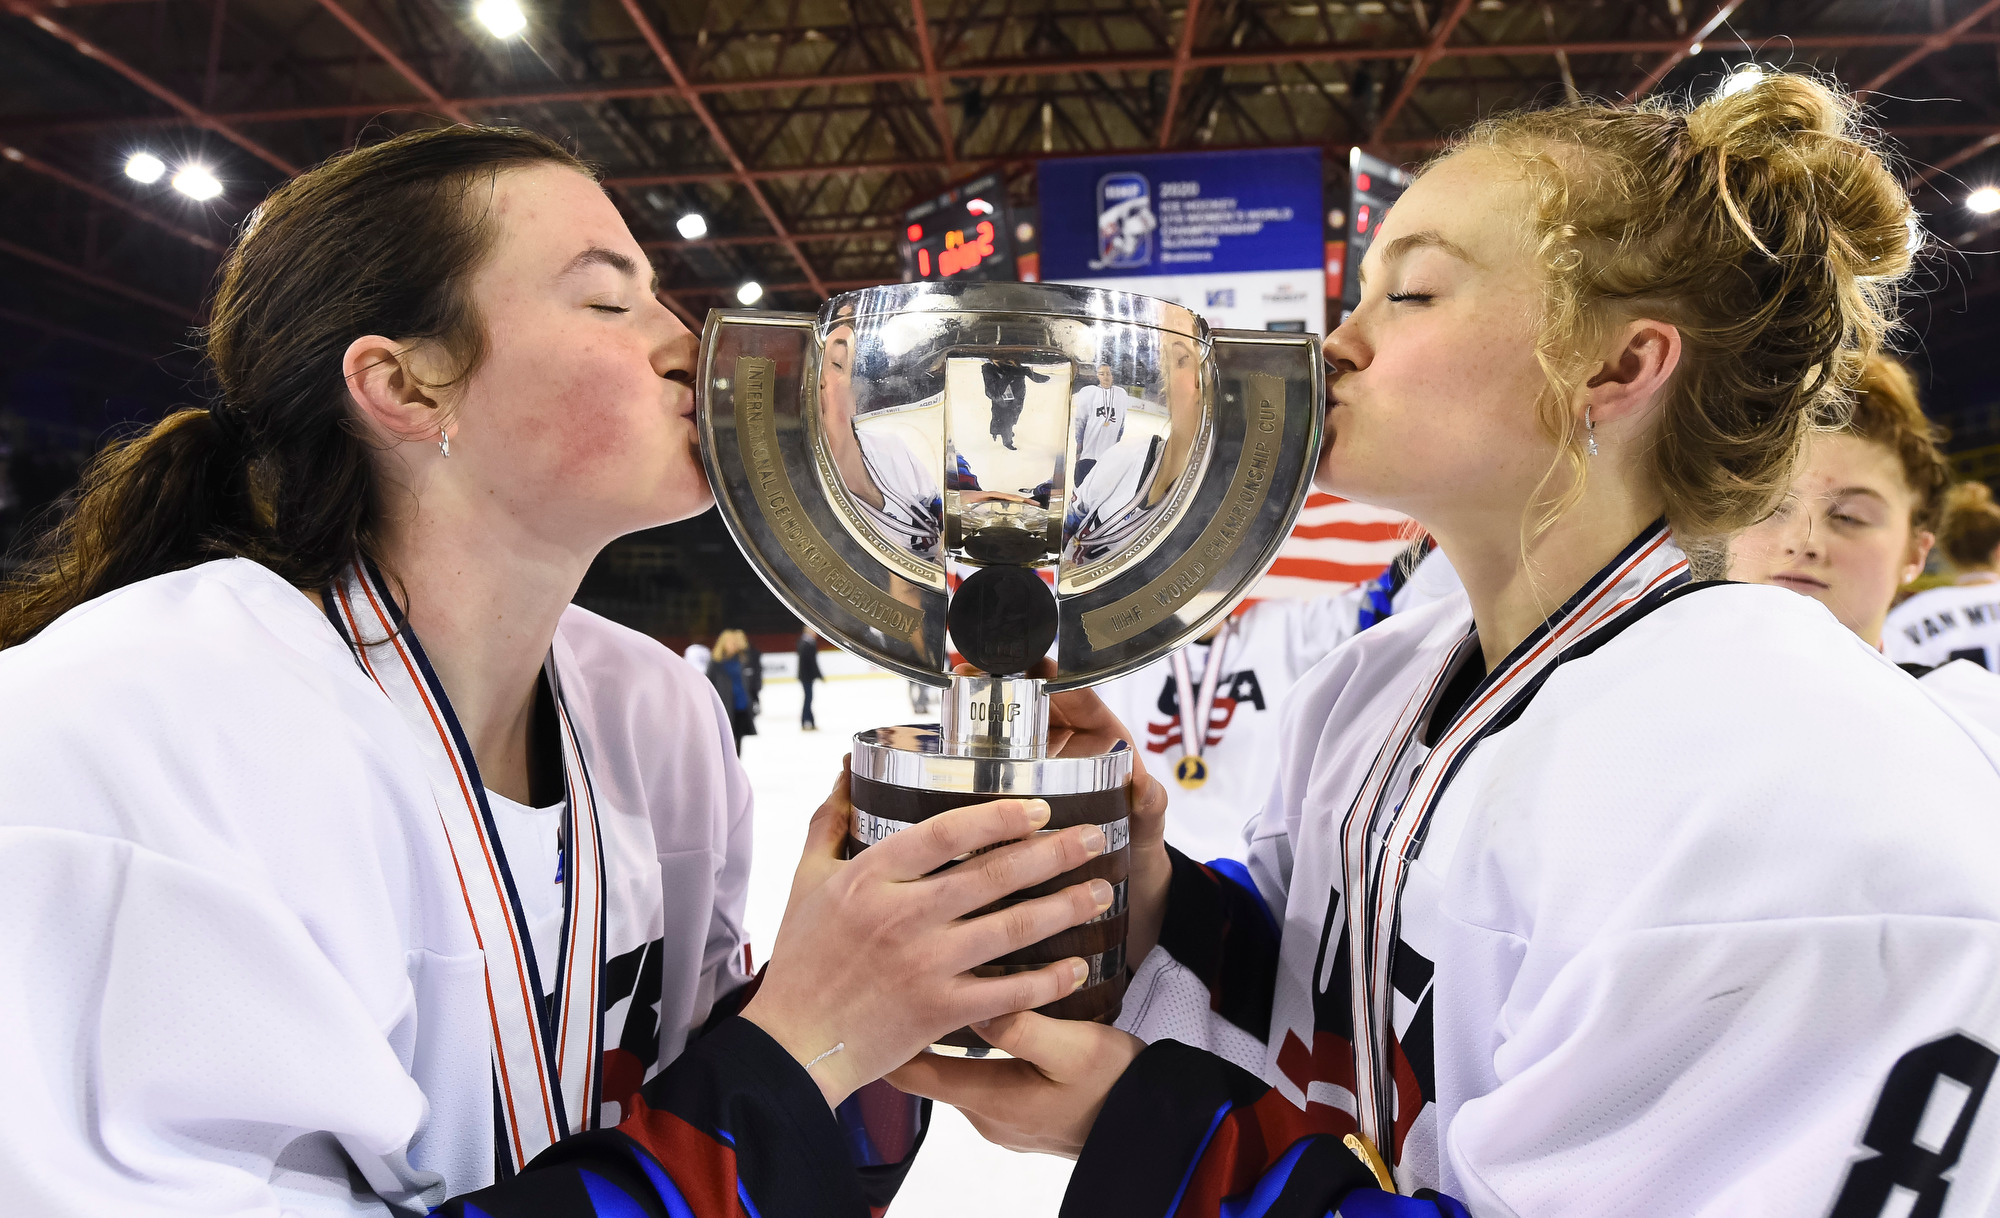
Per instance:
x=1007, y=471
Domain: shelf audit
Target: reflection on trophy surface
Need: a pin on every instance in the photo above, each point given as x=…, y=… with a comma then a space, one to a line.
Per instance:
x=1012, y=472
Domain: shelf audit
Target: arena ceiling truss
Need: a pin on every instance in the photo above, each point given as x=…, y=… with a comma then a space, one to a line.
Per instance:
x=802, y=128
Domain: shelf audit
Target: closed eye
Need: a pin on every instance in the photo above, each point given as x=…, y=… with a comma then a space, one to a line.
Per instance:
x=611, y=308
x=1403, y=297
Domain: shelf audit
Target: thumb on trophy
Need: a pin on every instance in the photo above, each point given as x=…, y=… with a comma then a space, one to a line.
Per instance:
x=1062, y=1049
x=1047, y=1098
x=826, y=834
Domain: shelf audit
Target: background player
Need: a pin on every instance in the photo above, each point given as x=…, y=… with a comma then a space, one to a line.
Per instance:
x=1218, y=788
x=1099, y=411
x=1857, y=525
x=1961, y=622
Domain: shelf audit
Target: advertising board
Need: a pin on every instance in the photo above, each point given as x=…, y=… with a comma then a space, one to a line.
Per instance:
x=1236, y=236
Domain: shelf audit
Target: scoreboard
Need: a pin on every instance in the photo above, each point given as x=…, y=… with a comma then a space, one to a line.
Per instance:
x=964, y=233
x=1377, y=185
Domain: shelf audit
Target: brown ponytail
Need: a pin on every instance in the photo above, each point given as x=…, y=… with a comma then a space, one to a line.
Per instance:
x=377, y=240
x=1971, y=528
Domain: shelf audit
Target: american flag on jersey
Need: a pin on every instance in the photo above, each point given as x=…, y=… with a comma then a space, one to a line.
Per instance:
x=1335, y=545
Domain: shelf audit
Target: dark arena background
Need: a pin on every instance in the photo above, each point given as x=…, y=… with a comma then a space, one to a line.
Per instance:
x=779, y=151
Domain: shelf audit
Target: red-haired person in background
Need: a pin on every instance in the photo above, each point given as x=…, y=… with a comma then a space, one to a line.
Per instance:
x=1863, y=510
x=1962, y=621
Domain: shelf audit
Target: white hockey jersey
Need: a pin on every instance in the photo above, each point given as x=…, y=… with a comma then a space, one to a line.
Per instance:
x=1274, y=643
x=1969, y=689
x=1100, y=419
x=240, y=975
x=1939, y=625
x=912, y=511
x=1707, y=924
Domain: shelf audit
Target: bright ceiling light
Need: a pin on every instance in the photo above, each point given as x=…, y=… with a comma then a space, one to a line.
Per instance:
x=144, y=167
x=1741, y=79
x=1985, y=200
x=693, y=226
x=196, y=182
x=503, y=17
x=750, y=293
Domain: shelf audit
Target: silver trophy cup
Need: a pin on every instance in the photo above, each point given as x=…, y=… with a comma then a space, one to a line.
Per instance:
x=1009, y=471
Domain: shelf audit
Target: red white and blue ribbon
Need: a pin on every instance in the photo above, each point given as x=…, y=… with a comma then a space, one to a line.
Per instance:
x=547, y=1040
x=1374, y=877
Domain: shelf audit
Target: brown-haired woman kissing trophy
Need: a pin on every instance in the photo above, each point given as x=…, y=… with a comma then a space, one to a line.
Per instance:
x=345, y=866
x=1591, y=891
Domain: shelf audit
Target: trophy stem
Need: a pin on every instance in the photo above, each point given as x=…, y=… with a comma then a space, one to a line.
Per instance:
x=995, y=717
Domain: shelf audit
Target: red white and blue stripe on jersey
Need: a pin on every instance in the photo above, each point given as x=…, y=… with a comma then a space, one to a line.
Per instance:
x=1185, y=1134
x=733, y=1128
x=1241, y=1149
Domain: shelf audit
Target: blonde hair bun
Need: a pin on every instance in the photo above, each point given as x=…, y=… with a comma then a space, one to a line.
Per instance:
x=1791, y=133
x=1764, y=225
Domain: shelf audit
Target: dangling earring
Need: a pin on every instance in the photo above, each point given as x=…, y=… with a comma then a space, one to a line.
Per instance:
x=1591, y=429
x=444, y=442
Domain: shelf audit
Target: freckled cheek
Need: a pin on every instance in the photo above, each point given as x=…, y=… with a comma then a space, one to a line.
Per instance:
x=1872, y=565
x=602, y=422
x=565, y=407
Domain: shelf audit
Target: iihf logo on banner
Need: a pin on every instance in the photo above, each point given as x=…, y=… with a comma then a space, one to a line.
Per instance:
x=1125, y=222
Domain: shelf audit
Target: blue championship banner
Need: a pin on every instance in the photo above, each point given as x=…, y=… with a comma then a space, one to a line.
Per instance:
x=1236, y=236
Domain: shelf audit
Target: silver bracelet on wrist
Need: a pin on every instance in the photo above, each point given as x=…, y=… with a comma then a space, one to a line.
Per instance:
x=829, y=1053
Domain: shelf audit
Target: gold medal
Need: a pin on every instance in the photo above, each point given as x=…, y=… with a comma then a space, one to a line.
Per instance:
x=1191, y=772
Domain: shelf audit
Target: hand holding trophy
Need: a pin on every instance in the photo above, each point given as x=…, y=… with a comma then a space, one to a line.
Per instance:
x=1067, y=482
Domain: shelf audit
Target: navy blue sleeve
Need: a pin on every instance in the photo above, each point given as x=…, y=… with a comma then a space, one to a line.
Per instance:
x=1217, y=926
x=1185, y=1134
x=734, y=1128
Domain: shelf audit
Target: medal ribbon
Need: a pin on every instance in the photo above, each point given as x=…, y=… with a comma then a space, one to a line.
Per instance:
x=546, y=1048
x=1195, y=712
x=1374, y=879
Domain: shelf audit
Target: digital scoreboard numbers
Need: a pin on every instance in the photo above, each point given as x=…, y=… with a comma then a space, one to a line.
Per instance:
x=1376, y=185
x=964, y=233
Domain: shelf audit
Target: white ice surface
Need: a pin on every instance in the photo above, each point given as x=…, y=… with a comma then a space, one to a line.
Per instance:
x=957, y=1173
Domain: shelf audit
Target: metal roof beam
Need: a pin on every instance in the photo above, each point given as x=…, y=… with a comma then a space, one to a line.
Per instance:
x=722, y=143
x=934, y=86
x=1422, y=64
x=80, y=336
x=30, y=162
x=1687, y=47
x=998, y=70
x=1991, y=139
x=96, y=281
x=187, y=109
x=823, y=285
x=1930, y=46
x=852, y=234
x=381, y=51
x=1183, y=56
